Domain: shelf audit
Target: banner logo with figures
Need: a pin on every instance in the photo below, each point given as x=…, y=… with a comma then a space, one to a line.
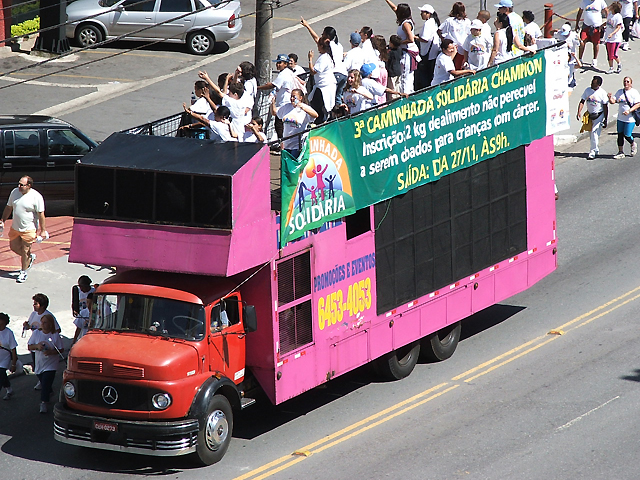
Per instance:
x=318, y=188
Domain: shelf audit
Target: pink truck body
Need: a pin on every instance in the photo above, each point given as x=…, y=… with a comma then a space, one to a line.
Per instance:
x=347, y=328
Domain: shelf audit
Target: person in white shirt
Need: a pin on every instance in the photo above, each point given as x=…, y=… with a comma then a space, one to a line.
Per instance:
x=571, y=38
x=429, y=46
x=628, y=100
x=374, y=87
x=48, y=347
x=597, y=102
x=220, y=128
x=283, y=84
x=82, y=319
x=8, y=355
x=502, y=40
x=484, y=16
x=445, y=68
x=235, y=100
x=456, y=28
x=337, y=55
x=530, y=26
x=246, y=75
x=367, y=49
x=28, y=223
x=629, y=15
x=253, y=131
x=354, y=58
x=591, y=27
x=477, y=48
x=323, y=94
x=296, y=117
x=613, y=36
x=355, y=95
x=516, y=25
x=201, y=105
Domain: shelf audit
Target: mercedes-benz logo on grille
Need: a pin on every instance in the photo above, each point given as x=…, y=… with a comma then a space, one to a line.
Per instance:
x=109, y=395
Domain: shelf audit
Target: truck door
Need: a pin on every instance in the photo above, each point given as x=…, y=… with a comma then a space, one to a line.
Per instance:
x=226, y=338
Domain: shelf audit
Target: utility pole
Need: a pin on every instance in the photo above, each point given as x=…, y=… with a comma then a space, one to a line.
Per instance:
x=264, y=32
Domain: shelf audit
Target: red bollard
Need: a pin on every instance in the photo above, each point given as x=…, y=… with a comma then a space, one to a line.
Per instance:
x=548, y=19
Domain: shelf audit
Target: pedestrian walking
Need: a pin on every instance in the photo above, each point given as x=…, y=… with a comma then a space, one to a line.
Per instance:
x=597, y=112
x=613, y=36
x=629, y=15
x=591, y=31
x=571, y=38
x=29, y=223
x=8, y=355
x=628, y=100
x=48, y=347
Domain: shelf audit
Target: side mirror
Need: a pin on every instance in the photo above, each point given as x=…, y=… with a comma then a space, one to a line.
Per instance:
x=250, y=319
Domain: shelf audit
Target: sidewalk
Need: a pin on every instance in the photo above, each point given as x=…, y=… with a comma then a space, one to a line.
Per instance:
x=611, y=83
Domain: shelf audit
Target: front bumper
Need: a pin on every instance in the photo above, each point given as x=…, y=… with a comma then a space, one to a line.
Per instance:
x=165, y=438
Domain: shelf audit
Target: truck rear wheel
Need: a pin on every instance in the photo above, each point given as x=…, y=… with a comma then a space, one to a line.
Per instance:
x=440, y=345
x=398, y=364
x=215, y=431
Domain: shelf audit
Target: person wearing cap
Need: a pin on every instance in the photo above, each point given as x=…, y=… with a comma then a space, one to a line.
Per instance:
x=566, y=34
x=283, y=85
x=429, y=46
x=517, y=26
x=591, y=27
x=375, y=88
x=354, y=58
x=445, y=68
x=477, y=48
x=456, y=28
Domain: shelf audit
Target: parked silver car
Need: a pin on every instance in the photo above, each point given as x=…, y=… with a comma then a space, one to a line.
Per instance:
x=93, y=21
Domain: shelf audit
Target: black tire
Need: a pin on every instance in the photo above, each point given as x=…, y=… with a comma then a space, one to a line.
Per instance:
x=398, y=364
x=88, y=35
x=200, y=43
x=215, y=431
x=440, y=345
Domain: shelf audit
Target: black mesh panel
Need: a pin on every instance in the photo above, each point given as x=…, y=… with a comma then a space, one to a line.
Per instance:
x=445, y=230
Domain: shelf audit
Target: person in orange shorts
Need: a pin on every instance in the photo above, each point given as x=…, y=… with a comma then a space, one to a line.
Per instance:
x=28, y=223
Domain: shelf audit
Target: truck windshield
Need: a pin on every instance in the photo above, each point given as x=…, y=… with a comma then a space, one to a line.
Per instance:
x=149, y=315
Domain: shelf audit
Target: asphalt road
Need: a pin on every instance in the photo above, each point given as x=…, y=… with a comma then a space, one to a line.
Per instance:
x=513, y=402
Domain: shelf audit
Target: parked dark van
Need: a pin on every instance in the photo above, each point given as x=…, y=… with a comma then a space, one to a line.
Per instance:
x=46, y=149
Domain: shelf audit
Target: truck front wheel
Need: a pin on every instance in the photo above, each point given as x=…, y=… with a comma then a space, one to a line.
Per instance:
x=215, y=431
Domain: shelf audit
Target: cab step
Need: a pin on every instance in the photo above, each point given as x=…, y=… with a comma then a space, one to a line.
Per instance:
x=246, y=402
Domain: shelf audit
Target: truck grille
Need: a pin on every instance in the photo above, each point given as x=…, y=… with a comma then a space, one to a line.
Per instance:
x=127, y=371
x=128, y=397
x=88, y=366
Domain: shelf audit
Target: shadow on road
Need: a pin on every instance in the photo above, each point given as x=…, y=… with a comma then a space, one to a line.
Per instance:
x=36, y=442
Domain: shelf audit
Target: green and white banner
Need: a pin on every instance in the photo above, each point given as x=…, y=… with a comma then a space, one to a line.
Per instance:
x=359, y=161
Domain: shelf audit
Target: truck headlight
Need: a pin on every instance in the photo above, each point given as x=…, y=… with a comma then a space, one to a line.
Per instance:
x=161, y=400
x=69, y=390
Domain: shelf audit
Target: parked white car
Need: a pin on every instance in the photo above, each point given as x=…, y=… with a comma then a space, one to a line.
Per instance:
x=93, y=21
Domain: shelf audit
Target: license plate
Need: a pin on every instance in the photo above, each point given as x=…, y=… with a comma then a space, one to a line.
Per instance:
x=105, y=426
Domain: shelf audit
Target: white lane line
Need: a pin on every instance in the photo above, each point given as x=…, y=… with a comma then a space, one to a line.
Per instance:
x=109, y=91
x=576, y=420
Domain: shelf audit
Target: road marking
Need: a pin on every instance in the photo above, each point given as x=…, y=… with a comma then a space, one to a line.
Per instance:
x=109, y=91
x=375, y=420
x=74, y=76
x=577, y=419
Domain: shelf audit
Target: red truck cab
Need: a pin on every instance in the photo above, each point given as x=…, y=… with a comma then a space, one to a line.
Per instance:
x=160, y=369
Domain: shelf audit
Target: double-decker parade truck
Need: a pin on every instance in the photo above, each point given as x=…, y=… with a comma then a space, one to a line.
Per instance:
x=391, y=227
